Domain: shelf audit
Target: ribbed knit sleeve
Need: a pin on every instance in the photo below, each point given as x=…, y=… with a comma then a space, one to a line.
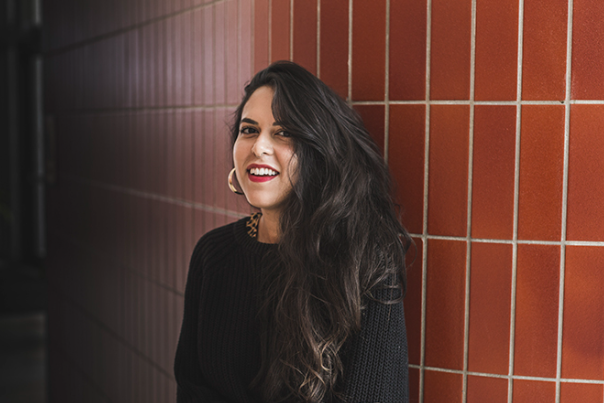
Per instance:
x=376, y=361
x=191, y=386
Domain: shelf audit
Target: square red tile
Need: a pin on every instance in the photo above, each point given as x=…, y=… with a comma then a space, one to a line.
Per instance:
x=541, y=172
x=407, y=71
x=496, y=50
x=280, y=30
x=580, y=393
x=490, y=300
x=450, y=49
x=483, y=389
x=373, y=118
x=493, y=172
x=537, y=292
x=413, y=301
x=305, y=34
x=587, y=50
x=534, y=391
x=221, y=49
x=261, y=31
x=582, y=334
x=544, y=49
x=446, y=283
x=442, y=387
x=406, y=151
x=448, y=177
x=586, y=174
x=334, y=45
x=368, y=50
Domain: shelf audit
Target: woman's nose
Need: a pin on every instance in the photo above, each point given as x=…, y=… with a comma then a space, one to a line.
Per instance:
x=262, y=145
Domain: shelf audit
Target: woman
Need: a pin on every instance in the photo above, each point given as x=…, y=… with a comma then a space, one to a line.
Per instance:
x=300, y=302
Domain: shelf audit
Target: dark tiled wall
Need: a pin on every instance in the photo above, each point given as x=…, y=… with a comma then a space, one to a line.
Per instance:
x=139, y=95
x=490, y=114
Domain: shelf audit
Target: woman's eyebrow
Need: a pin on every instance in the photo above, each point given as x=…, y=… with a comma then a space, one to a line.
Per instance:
x=248, y=120
x=253, y=122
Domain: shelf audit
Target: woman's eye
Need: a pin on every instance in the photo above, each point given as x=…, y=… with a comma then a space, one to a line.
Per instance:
x=282, y=133
x=247, y=130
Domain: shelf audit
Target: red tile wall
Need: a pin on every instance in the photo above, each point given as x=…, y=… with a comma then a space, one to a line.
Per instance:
x=489, y=114
x=490, y=117
x=138, y=96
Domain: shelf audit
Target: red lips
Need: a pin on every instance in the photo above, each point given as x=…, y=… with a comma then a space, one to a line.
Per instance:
x=263, y=178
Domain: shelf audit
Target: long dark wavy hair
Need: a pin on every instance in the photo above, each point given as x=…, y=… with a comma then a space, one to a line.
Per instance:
x=341, y=238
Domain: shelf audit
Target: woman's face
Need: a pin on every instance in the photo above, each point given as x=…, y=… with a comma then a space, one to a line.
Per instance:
x=263, y=154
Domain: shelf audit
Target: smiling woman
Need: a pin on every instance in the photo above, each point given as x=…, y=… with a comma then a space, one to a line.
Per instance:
x=301, y=302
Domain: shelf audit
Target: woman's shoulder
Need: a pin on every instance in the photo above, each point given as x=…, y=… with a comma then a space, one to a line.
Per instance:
x=220, y=238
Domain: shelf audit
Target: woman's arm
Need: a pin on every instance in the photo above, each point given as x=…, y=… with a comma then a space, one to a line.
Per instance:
x=376, y=361
x=191, y=387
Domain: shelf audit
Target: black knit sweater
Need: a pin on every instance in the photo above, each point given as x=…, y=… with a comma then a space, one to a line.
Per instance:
x=218, y=352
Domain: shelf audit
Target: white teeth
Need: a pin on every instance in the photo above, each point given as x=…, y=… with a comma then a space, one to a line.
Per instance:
x=263, y=172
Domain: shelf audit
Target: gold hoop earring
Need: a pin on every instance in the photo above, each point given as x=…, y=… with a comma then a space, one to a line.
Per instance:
x=230, y=181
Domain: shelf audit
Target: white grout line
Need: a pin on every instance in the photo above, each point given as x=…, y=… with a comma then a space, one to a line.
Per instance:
x=424, y=235
x=569, y=41
x=350, y=3
x=499, y=376
x=469, y=205
x=520, y=51
x=318, y=38
x=509, y=241
x=467, y=102
x=387, y=85
x=291, y=30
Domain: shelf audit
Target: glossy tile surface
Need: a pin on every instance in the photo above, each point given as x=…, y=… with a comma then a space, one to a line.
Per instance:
x=406, y=145
x=305, y=34
x=536, y=324
x=442, y=386
x=483, y=389
x=588, y=50
x=544, y=49
x=582, y=347
x=541, y=172
x=445, y=288
x=490, y=295
x=368, y=50
x=586, y=174
x=534, y=391
x=493, y=172
x=407, y=76
x=496, y=49
x=448, y=180
x=450, y=49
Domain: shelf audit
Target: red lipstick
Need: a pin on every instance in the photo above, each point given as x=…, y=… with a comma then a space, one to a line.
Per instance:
x=260, y=178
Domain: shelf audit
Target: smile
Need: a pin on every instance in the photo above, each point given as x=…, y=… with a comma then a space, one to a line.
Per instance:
x=261, y=174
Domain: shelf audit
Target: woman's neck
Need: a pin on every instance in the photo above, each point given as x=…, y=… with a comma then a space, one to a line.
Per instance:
x=268, y=227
